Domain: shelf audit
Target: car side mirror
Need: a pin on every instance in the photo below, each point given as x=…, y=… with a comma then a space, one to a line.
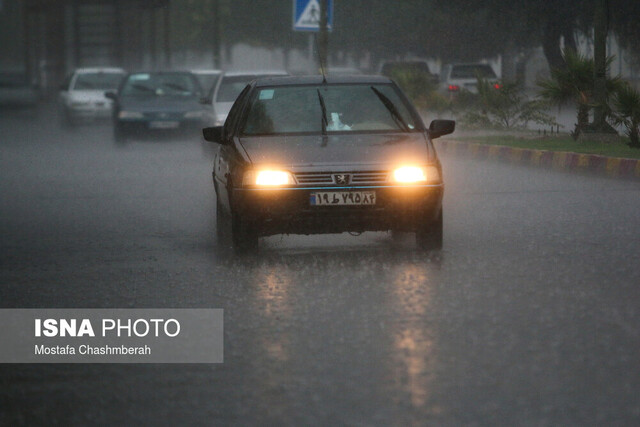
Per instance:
x=438, y=128
x=213, y=134
x=110, y=95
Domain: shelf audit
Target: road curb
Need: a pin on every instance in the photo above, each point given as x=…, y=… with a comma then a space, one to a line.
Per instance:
x=558, y=160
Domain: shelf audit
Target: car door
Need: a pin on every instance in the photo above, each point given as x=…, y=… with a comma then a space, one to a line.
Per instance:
x=228, y=157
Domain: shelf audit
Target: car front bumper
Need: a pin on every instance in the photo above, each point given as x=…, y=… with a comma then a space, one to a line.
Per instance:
x=141, y=126
x=289, y=211
x=89, y=112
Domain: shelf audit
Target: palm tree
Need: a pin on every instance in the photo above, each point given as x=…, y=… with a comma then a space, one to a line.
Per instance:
x=575, y=83
x=626, y=112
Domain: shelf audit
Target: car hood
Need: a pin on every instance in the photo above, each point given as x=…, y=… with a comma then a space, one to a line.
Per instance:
x=88, y=96
x=364, y=150
x=160, y=103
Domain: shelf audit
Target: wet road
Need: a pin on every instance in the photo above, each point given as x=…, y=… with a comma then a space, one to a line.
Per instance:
x=529, y=316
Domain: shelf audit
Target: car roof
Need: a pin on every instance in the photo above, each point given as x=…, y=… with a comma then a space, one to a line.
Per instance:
x=318, y=79
x=99, y=70
x=256, y=72
x=206, y=71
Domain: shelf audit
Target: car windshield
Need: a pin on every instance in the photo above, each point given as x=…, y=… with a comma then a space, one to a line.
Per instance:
x=347, y=108
x=231, y=86
x=161, y=84
x=98, y=81
x=472, y=72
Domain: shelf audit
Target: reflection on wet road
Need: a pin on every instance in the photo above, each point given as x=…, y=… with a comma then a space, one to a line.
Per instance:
x=528, y=316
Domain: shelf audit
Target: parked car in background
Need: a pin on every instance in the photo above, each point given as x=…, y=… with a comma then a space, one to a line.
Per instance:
x=229, y=87
x=208, y=78
x=304, y=155
x=165, y=101
x=390, y=68
x=457, y=77
x=17, y=91
x=81, y=96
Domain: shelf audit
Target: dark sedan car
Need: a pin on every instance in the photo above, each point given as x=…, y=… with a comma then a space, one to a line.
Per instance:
x=158, y=101
x=305, y=155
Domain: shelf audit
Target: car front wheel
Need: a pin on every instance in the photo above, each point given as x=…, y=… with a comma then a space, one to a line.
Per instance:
x=429, y=236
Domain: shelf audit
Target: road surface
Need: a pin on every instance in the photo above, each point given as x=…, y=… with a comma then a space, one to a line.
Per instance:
x=529, y=316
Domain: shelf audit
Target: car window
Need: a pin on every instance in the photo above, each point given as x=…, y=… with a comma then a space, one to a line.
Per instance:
x=97, y=81
x=232, y=117
x=231, y=86
x=349, y=108
x=472, y=71
x=161, y=84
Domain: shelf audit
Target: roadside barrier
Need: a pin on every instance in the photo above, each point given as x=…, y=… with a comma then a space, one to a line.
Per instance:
x=558, y=160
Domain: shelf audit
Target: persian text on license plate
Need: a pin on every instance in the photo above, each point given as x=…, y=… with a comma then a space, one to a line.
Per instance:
x=163, y=125
x=342, y=198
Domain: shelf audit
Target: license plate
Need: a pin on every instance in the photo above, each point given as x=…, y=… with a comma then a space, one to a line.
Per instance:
x=163, y=125
x=342, y=198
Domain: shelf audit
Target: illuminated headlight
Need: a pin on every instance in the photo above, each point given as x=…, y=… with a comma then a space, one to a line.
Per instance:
x=415, y=174
x=130, y=115
x=268, y=178
x=195, y=115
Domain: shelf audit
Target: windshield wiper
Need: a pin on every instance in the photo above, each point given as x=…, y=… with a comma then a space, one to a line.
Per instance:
x=177, y=87
x=325, y=122
x=143, y=88
x=395, y=115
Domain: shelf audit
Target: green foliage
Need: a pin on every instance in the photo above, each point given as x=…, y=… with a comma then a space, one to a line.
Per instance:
x=626, y=112
x=574, y=83
x=505, y=107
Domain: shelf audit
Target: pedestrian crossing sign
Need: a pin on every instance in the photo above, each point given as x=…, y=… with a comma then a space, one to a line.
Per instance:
x=306, y=15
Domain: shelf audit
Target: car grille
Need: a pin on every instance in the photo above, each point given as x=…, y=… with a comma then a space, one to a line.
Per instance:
x=326, y=178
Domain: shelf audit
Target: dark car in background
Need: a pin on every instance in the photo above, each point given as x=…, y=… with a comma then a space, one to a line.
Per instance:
x=166, y=101
x=307, y=155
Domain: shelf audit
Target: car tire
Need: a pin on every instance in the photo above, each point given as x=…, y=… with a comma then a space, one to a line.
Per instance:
x=243, y=235
x=429, y=237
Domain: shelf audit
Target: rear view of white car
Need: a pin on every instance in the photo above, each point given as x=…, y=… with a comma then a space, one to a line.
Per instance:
x=82, y=94
x=457, y=77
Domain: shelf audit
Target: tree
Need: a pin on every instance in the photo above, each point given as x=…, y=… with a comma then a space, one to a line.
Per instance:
x=626, y=112
x=575, y=82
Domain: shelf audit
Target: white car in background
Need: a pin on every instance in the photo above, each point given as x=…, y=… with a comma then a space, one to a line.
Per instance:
x=208, y=78
x=229, y=87
x=82, y=97
x=457, y=77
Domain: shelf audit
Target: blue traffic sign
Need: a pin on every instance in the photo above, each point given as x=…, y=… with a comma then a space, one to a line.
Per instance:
x=306, y=15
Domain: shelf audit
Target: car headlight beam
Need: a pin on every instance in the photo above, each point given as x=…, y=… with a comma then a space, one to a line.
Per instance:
x=268, y=178
x=415, y=174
